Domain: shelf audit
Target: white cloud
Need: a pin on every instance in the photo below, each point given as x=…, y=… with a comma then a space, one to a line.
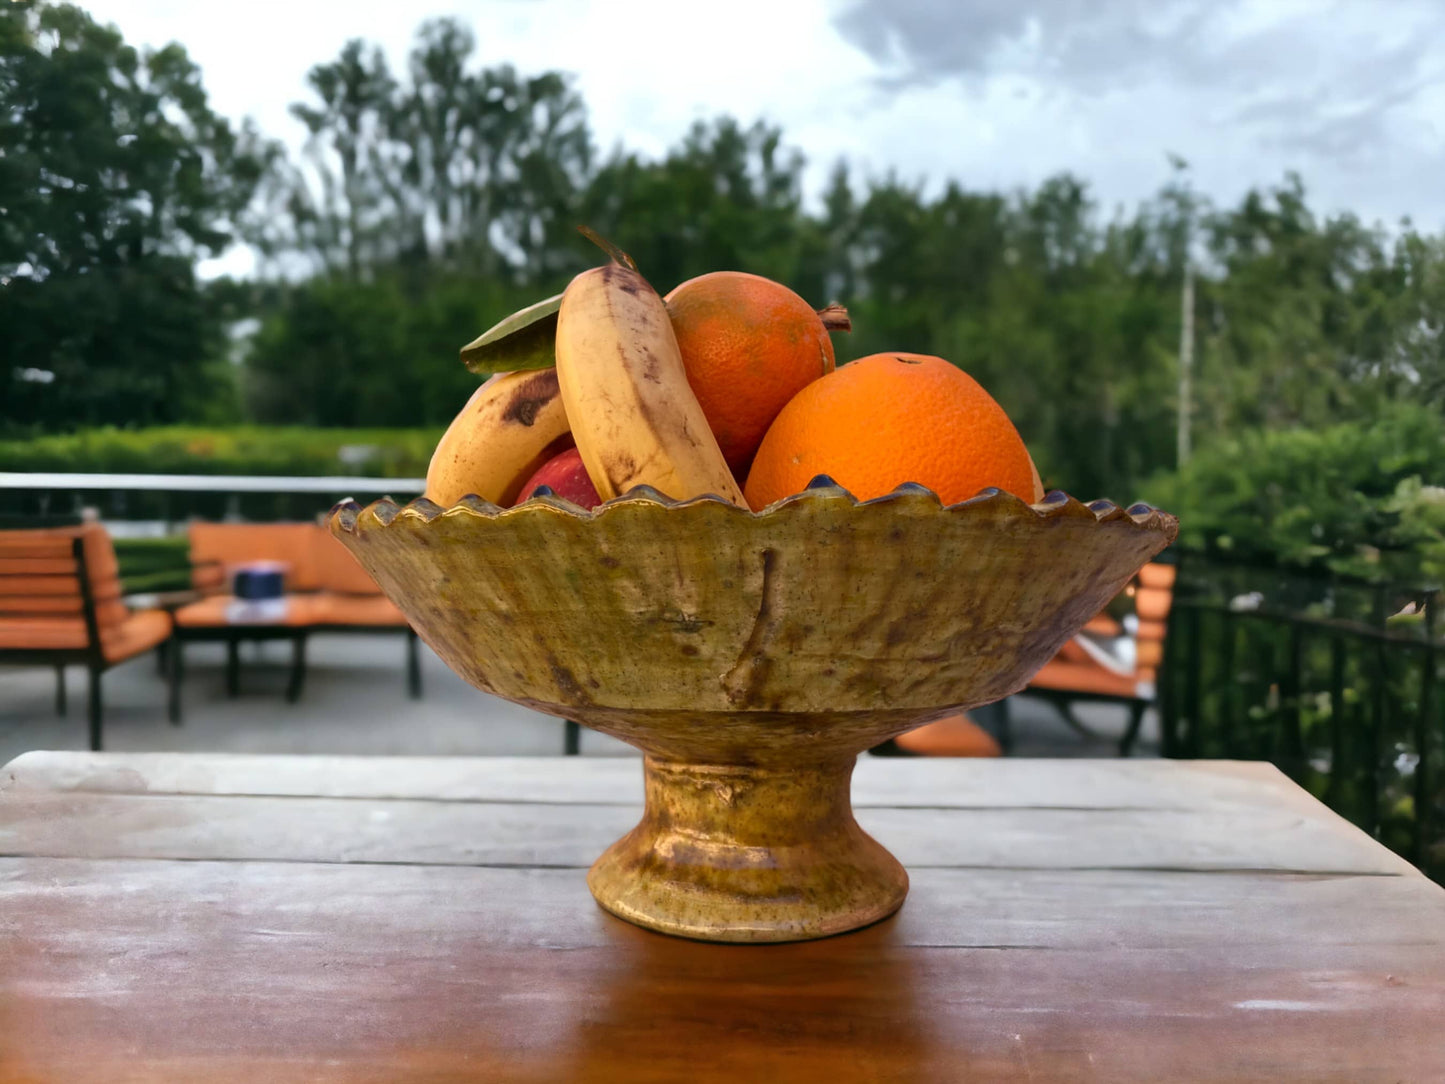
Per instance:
x=1345, y=92
x=994, y=93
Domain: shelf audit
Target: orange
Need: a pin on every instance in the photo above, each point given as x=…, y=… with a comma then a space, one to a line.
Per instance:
x=892, y=418
x=749, y=344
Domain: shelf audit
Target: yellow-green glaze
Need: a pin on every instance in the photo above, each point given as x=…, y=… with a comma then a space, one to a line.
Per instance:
x=751, y=657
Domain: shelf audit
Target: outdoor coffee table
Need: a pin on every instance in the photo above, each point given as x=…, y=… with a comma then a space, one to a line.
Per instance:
x=217, y=918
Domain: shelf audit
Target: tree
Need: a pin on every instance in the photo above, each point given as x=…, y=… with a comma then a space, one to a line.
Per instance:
x=1358, y=497
x=727, y=198
x=115, y=177
x=449, y=169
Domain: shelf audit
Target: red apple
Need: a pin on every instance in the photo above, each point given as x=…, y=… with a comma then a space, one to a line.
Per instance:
x=567, y=477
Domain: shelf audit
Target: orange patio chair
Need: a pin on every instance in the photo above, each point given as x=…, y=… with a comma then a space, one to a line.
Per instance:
x=351, y=601
x=954, y=736
x=60, y=605
x=326, y=591
x=1082, y=670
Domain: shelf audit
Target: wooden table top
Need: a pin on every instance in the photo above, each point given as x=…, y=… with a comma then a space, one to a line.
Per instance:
x=216, y=918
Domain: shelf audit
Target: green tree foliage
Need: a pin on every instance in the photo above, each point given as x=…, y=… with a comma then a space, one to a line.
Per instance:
x=429, y=202
x=449, y=168
x=336, y=352
x=115, y=177
x=449, y=194
x=727, y=197
x=1363, y=498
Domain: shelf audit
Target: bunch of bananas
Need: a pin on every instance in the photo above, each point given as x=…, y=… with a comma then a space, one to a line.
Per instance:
x=618, y=388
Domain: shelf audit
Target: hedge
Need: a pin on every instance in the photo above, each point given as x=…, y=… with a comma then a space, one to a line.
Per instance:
x=153, y=564
x=381, y=453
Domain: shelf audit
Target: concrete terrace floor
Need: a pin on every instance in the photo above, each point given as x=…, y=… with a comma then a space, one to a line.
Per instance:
x=355, y=702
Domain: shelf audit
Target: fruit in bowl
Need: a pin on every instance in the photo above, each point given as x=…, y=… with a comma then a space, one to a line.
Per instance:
x=728, y=386
x=893, y=418
x=749, y=345
x=565, y=476
x=750, y=635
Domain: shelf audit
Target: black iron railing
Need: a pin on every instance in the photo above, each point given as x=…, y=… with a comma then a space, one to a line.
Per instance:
x=168, y=499
x=1336, y=682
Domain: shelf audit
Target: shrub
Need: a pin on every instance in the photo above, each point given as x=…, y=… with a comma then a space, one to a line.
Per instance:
x=1364, y=499
x=383, y=453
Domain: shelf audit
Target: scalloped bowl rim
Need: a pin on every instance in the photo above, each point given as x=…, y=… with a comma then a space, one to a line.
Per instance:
x=1056, y=504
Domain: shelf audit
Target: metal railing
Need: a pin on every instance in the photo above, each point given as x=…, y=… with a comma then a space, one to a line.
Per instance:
x=1342, y=695
x=209, y=483
x=168, y=498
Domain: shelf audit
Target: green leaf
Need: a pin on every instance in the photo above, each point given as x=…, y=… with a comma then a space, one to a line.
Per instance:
x=525, y=340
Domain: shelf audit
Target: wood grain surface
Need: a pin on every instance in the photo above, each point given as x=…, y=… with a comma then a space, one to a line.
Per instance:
x=213, y=918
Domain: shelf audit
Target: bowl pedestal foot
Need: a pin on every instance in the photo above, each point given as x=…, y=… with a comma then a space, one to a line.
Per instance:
x=749, y=853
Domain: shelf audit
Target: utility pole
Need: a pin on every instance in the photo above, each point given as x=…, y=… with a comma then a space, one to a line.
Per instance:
x=1186, y=361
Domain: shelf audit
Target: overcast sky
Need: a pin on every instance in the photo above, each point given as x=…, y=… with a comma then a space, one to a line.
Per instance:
x=994, y=93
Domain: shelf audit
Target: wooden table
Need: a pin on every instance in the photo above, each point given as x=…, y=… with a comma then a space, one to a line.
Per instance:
x=216, y=918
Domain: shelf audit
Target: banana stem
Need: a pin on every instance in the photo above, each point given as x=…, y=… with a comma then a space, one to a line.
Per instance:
x=607, y=246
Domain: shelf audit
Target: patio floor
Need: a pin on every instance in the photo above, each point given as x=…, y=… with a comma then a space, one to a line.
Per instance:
x=355, y=703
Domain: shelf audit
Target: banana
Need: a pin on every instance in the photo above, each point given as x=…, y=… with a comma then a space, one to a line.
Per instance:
x=510, y=426
x=633, y=414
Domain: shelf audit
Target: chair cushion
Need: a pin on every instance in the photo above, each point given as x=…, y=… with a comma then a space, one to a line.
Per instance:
x=211, y=613
x=209, y=578
x=1157, y=575
x=954, y=736
x=131, y=635
x=1072, y=652
x=43, y=633
x=53, y=544
x=139, y=632
x=41, y=603
x=336, y=569
x=1083, y=677
x=227, y=544
x=23, y=586
x=36, y=566
x=1103, y=625
x=110, y=611
x=1152, y=603
x=360, y=610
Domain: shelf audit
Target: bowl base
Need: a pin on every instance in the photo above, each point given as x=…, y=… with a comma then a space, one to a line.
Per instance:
x=747, y=853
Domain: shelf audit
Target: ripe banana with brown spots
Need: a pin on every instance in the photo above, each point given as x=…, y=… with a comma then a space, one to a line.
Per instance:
x=510, y=426
x=634, y=416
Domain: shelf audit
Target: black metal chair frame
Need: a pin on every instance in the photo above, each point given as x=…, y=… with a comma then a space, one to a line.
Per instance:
x=92, y=656
x=233, y=635
x=1062, y=701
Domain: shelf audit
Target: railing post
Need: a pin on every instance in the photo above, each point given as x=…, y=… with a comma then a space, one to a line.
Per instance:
x=1380, y=693
x=1424, y=742
x=1262, y=744
x=1337, y=720
x=1169, y=682
x=1229, y=694
x=1193, y=664
x=1292, y=753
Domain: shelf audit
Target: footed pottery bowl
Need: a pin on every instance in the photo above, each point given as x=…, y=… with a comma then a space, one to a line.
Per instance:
x=751, y=657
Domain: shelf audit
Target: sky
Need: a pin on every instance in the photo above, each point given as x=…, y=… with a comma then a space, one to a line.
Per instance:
x=992, y=93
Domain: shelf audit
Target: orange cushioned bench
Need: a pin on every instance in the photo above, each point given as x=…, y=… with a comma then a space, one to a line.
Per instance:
x=60, y=605
x=1080, y=671
x=326, y=592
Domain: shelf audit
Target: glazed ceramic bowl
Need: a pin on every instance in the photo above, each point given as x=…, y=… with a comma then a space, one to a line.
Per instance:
x=751, y=657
